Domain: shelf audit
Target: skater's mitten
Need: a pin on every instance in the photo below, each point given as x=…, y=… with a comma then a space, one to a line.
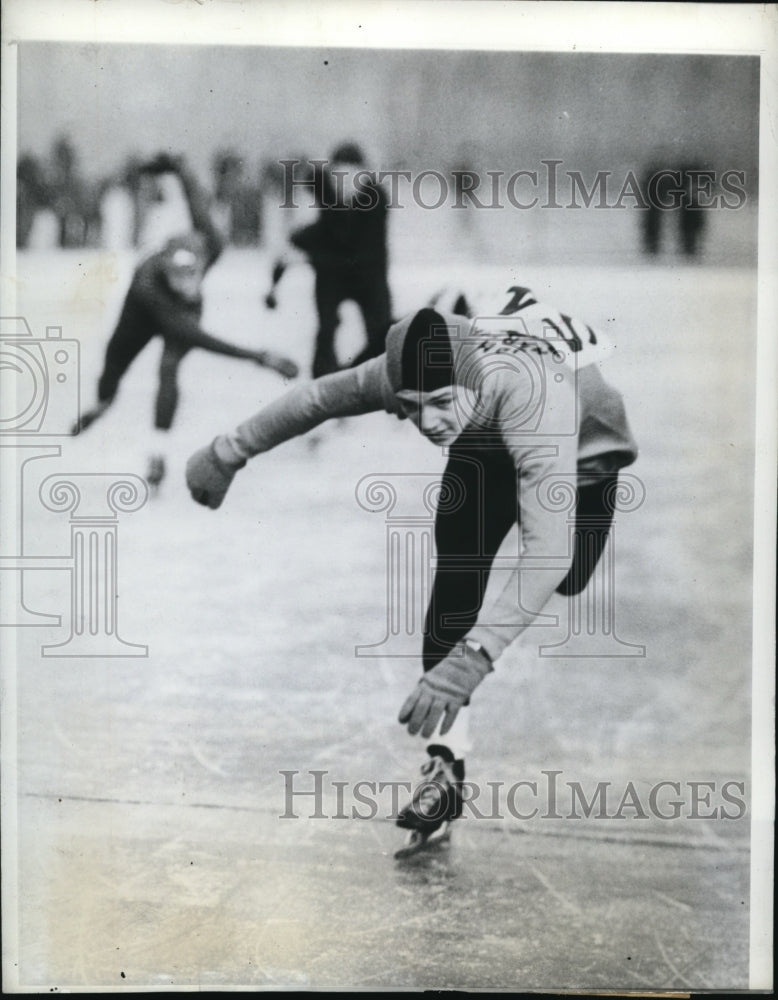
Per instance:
x=285, y=367
x=210, y=471
x=444, y=689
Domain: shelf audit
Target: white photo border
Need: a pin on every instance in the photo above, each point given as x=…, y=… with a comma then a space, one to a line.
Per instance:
x=688, y=28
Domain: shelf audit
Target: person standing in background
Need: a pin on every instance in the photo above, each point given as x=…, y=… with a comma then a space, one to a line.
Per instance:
x=347, y=248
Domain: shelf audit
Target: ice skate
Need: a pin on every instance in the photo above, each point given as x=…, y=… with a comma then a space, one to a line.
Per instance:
x=436, y=802
x=155, y=473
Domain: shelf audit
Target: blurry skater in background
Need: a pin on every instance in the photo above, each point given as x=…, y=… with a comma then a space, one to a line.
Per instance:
x=517, y=402
x=675, y=200
x=32, y=195
x=55, y=186
x=236, y=202
x=165, y=300
x=72, y=199
x=347, y=248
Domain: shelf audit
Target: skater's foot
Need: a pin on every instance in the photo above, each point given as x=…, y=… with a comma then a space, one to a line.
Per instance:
x=417, y=841
x=156, y=472
x=436, y=801
x=88, y=418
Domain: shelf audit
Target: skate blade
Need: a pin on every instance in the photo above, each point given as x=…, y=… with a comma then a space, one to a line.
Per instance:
x=418, y=841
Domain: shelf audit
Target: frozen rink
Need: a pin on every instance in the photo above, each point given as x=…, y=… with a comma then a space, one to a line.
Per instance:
x=149, y=793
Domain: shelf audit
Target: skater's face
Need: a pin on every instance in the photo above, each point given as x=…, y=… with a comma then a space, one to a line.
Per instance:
x=434, y=413
x=184, y=272
x=186, y=282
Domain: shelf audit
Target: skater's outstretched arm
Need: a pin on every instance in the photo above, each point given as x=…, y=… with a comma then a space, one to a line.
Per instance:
x=545, y=555
x=283, y=260
x=166, y=314
x=199, y=209
x=279, y=269
x=348, y=393
x=197, y=200
x=444, y=689
x=543, y=563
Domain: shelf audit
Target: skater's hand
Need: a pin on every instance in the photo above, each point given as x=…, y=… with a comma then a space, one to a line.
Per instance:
x=279, y=268
x=285, y=367
x=443, y=690
x=208, y=476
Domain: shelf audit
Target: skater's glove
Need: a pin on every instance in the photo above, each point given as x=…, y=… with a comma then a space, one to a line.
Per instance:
x=208, y=476
x=284, y=367
x=443, y=690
